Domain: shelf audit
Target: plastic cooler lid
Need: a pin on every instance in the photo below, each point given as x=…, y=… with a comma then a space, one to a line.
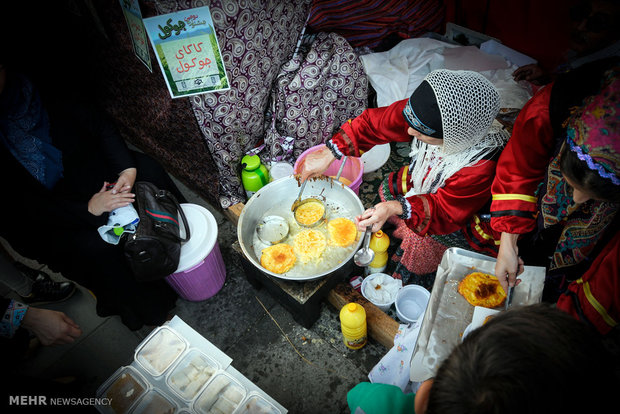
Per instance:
x=203, y=231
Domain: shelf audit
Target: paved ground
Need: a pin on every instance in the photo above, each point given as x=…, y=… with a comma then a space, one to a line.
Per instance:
x=305, y=370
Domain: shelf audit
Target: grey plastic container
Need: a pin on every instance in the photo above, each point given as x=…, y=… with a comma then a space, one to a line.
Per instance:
x=155, y=402
x=123, y=389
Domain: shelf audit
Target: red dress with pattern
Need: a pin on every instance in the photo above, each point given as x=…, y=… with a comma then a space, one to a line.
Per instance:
x=446, y=211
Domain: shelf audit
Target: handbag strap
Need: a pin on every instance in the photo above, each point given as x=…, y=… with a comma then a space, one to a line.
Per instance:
x=171, y=197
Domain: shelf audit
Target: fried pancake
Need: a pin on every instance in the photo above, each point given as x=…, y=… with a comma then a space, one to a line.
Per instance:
x=342, y=232
x=309, y=245
x=482, y=289
x=278, y=258
x=309, y=213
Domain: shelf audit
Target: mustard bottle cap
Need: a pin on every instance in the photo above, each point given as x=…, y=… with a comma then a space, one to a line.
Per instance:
x=352, y=307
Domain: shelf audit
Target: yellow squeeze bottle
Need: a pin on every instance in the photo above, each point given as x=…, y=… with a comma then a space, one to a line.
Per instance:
x=379, y=243
x=353, y=325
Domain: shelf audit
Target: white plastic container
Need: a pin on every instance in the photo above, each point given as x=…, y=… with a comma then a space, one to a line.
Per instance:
x=411, y=302
x=160, y=350
x=256, y=403
x=280, y=169
x=188, y=376
x=222, y=392
x=374, y=282
x=201, y=272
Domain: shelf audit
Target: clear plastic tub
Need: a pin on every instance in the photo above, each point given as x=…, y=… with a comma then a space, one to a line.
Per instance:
x=123, y=389
x=160, y=350
x=191, y=373
x=222, y=394
x=154, y=402
x=257, y=404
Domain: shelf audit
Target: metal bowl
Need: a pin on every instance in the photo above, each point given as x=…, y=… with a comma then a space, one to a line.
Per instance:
x=283, y=192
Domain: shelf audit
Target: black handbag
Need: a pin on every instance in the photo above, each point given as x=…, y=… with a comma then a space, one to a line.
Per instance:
x=154, y=250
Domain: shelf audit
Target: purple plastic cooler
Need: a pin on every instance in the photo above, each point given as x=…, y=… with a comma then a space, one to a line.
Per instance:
x=201, y=272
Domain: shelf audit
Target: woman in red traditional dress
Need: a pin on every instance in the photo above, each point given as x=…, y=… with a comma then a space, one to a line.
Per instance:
x=556, y=195
x=449, y=120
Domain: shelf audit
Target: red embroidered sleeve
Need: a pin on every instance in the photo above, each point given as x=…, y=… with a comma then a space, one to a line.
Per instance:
x=522, y=167
x=373, y=127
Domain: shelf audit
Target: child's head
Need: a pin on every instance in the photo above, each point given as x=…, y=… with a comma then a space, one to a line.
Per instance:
x=532, y=359
x=590, y=158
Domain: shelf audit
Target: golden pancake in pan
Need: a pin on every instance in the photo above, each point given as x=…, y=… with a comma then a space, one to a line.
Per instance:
x=342, y=232
x=482, y=289
x=278, y=258
x=308, y=213
x=309, y=245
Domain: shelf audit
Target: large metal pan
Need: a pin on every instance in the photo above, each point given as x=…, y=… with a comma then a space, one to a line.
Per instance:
x=283, y=192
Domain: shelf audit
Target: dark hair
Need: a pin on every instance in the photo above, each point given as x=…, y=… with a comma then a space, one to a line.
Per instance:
x=531, y=359
x=579, y=173
x=571, y=88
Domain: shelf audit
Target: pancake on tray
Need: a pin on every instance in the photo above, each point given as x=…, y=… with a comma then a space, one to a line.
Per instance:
x=342, y=232
x=482, y=289
x=308, y=213
x=309, y=245
x=278, y=258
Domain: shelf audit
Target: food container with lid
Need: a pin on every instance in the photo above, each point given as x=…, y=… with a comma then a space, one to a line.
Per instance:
x=256, y=403
x=155, y=402
x=160, y=350
x=222, y=392
x=381, y=289
x=193, y=371
x=123, y=390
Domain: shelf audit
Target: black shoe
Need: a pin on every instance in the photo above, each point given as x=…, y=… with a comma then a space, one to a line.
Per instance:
x=44, y=289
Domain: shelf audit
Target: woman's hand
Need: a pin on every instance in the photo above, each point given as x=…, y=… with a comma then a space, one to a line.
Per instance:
x=125, y=182
x=531, y=73
x=315, y=163
x=509, y=265
x=377, y=216
x=51, y=327
x=105, y=200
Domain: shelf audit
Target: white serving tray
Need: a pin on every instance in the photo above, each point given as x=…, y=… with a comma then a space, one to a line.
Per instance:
x=448, y=314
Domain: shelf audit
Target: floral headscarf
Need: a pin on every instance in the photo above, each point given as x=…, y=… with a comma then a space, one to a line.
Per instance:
x=594, y=132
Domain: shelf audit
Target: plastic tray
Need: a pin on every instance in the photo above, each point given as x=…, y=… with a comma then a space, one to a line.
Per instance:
x=448, y=313
x=124, y=389
x=160, y=350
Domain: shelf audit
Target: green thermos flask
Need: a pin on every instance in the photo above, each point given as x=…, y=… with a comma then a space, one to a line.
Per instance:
x=254, y=175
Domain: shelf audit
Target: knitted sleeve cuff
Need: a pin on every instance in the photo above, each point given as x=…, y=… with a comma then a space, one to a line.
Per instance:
x=334, y=149
x=406, y=207
x=12, y=318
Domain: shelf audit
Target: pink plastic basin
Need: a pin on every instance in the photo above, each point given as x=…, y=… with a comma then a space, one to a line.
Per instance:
x=353, y=169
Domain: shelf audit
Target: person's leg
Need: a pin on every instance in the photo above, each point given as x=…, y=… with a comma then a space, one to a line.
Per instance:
x=11, y=279
x=102, y=268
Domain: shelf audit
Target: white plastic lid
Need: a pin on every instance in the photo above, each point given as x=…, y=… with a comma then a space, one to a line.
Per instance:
x=203, y=232
x=280, y=169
